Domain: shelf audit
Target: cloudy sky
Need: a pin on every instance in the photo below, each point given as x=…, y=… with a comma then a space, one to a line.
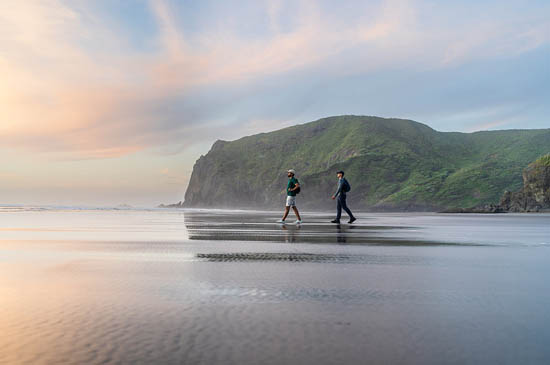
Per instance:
x=108, y=102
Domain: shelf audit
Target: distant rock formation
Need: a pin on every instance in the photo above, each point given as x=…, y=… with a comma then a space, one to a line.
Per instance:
x=488, y=208
x=533, y=197
x=176, y=205
x=124, y=206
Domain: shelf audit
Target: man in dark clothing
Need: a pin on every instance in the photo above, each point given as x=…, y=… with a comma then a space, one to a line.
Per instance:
x=343, y=188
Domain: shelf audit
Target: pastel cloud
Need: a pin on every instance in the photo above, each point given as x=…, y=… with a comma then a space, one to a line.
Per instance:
x=71, y=83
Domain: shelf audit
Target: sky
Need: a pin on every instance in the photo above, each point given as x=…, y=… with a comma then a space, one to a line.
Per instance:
x=111, y=102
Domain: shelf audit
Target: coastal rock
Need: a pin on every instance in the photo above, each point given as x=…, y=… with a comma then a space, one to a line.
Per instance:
x=176, y=205
x=488, y=208
x=533, y=197
x=535, y=194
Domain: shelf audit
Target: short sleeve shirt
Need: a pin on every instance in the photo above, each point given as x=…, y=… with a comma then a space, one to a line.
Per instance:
x=291, y=184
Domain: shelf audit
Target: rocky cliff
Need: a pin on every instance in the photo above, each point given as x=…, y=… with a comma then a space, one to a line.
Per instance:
x=535, y=194
x=392, y=164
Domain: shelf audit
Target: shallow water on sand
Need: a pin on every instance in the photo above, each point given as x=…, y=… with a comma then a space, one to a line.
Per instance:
x=173, y=286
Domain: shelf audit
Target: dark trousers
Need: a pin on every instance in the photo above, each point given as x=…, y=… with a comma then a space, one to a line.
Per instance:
x=341, y=204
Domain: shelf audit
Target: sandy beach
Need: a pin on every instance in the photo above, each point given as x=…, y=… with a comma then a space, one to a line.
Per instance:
x=233, y=287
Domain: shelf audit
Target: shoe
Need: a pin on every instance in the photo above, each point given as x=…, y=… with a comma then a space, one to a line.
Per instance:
x=298, y=221
x=281, y=221
x=335, y=221
x=352, y=220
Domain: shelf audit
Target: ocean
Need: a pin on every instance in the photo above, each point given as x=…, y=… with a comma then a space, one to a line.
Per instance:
x=153, y=286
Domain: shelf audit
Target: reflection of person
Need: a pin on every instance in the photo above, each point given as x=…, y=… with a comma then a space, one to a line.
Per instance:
x=292, y=188
x=290, y=234
x=340, y=234
x=343, y=188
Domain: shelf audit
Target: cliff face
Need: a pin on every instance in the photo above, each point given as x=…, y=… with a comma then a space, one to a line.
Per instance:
x=392, y=164
x=211, y=180
x=535, y=194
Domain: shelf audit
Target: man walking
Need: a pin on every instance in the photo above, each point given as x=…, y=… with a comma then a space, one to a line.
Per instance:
x=292, y=188
x=343, y=188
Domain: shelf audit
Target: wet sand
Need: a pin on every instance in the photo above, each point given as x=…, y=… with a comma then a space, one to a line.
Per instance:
x=236, y=288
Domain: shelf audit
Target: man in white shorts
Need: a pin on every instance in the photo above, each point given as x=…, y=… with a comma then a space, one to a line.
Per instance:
x=292, y=188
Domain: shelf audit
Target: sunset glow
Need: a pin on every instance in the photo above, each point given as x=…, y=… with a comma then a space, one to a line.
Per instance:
x=112, y=102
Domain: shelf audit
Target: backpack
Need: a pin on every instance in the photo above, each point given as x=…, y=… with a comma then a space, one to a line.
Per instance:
x=297, y=191
x=346, y=187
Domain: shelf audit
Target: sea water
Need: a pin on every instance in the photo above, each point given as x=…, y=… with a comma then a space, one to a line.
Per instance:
x=101, y=286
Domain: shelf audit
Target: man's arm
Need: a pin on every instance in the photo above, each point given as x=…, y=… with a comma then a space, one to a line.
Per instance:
x=339, y=190
x=296, y=186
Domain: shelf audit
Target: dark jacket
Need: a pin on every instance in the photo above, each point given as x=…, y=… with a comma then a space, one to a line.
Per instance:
x=340, y=190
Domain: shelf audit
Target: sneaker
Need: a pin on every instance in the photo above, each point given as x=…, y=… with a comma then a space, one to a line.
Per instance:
x=298, y=221
x=335, y=221
x=352, y=220
x=280, y=221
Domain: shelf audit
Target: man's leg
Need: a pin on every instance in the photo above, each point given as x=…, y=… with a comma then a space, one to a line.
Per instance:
x=287, y=209
x=345, y=207
x=338, y=209
x=296, y=212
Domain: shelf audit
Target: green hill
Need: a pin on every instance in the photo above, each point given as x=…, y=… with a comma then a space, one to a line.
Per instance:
x=392, y=164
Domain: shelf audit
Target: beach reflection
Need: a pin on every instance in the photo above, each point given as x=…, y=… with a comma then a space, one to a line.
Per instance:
x=291, y=233
x=258, y=226
x=215, y=287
